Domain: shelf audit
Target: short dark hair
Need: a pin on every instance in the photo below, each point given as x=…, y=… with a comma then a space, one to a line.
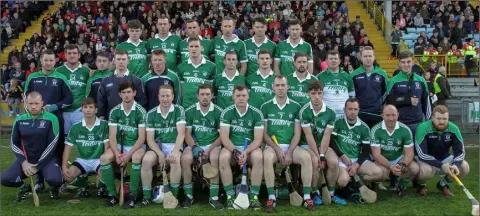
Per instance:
x=71, y=47
x=192, y=39
x=279, y=77
x=315, y=85
x=125, y=85
x=239, y=88
x=158, y=52
x=190, y=21
x=166, y=86
x=405, y=54
x=204, y=86
x=134, y=24
x=229, y=18
x=103, y=54
x=299, y=54
x=121, y=52
x=332, y=52
x=294, y=22
x=261, y=20
x=351, y=100
x=230, y=53
x=263, y=51
x=47, y=52
x=89, y=101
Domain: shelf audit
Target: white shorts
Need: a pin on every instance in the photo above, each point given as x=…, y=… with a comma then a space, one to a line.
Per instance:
x=341, y=164
x=89, y=165
x=167, y=148
x=204, y=147
x=284, y=147
x=71, y=118
x=438, y=171
x=127, y=148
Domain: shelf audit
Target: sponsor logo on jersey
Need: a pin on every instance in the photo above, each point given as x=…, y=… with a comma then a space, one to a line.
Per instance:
x=336, y=88
x=203, y=129
x=349, y=139
x=77, y=83
x=38, y=81
x=390, y=148
x=239, y=129
x=85, y=143
x=127, y=128
x=166, y=130
x=287, y=58
x=220, y=53
x=298, y=94
x=279, y=122
x=260, y=89
x=194, y=80
x=225, y=93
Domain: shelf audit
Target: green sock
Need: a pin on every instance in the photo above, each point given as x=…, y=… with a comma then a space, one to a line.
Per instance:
x=331, y=190
x=403, y=182
x=306, y=190
x=147, y=192
x=109, y=179
x=254, y=189
x=101, y=184
x=229, y=190
x=80, y=182
x=174, y=188
x=315, y=188
x=187, y=188
x=271, y=190
x=135, y=178
x=214, y=190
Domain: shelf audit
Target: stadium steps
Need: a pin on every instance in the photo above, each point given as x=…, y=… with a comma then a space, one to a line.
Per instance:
x=382, y=49
x=463, y=92
x=35, y=27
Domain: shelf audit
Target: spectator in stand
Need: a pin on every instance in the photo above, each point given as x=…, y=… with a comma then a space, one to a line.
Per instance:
x=469, y=25
x=16, y=73
x=458, y=35
x=365, y=42
x=395, y=41
x=424, y=13
x=418, y=21
x=4, y=74
x=14, y=97
x=347, y=37
x=402, y=22
x=419, y=46
x=32, y=68
x=358, y=21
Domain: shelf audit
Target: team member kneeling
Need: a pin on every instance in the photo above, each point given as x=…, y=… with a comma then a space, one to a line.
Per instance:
x=433, y=141
x=392, y=148
x=165, y=136
x=351, y=142
x=91, y=138
x=203, y=123
x=238, y=122
x=127, y=136
x=317, y=121
x=282, y=121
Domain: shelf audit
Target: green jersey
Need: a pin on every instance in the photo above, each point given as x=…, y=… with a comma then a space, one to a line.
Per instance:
x=165, y=126
x=192, y=76
x=260, y=88
x=220, y=47
x=94, y=81
x=280, y=120
x=205, y=126
x=349, y=139
x=137, y=54
x=285, y=52
x=183, y=47
x=89, y=141
x=223, y=88
x=337, y=88
x=317, y=122
x=241, y=125
x=252, y=51
x=127, y=123
x=391, y=144
x=298, y=89
x=77, y=78
x=169, y=45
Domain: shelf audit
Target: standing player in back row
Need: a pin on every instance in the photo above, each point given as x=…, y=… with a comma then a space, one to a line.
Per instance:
x=285, y=51
x=136, y=49
x=298, y=81
x=103, y=70
x=225, y=82
x=195, y=71
x=221, y=45
x=260, y=83
x=338, y=85
x=193, y=30
x=255, y=44
x=165, y=41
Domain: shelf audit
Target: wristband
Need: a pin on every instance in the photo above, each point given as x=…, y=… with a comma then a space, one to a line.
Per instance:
x=322, y=155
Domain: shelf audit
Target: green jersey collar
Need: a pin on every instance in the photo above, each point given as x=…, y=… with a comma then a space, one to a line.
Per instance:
x=211, y=107
x=384, y=127
x=274, y=101
x=172, y=108
x=264, y=77
x=323, y=109
x=124, y=74
x=97, y=123
x=131, y=42
x=263, y=42
x=235, y=39
x=73, y=69
x=246, y=110
x=299, y=42
x=29, y=115
x=357, y=123
x=189, y=61
x=163, y=39
x=306, y=78
x=225, y=75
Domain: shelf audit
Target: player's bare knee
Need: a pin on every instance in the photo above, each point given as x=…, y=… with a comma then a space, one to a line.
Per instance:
x=343, y=180
x=426, y=172
x=149, y=160
x=107, y=158
x=257, y=157
x=224, y=159
x=305, y=159
x=214, y=156
x=268, y=157
x=138, y=156
x=187, y=159
x=412, y=170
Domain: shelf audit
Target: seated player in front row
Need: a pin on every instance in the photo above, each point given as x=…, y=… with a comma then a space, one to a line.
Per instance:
x=282, y=121
x=91, y=138
x=392, y=149
x=127, y=137
x=165, y=136
x=238, y=122
x=202, y=136
x=433, y=141
x=33, y=141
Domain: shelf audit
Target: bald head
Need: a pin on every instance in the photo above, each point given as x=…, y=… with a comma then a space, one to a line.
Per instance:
x=34, y=94
x=34, y=103
x=390, y=116
x=389, y=109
